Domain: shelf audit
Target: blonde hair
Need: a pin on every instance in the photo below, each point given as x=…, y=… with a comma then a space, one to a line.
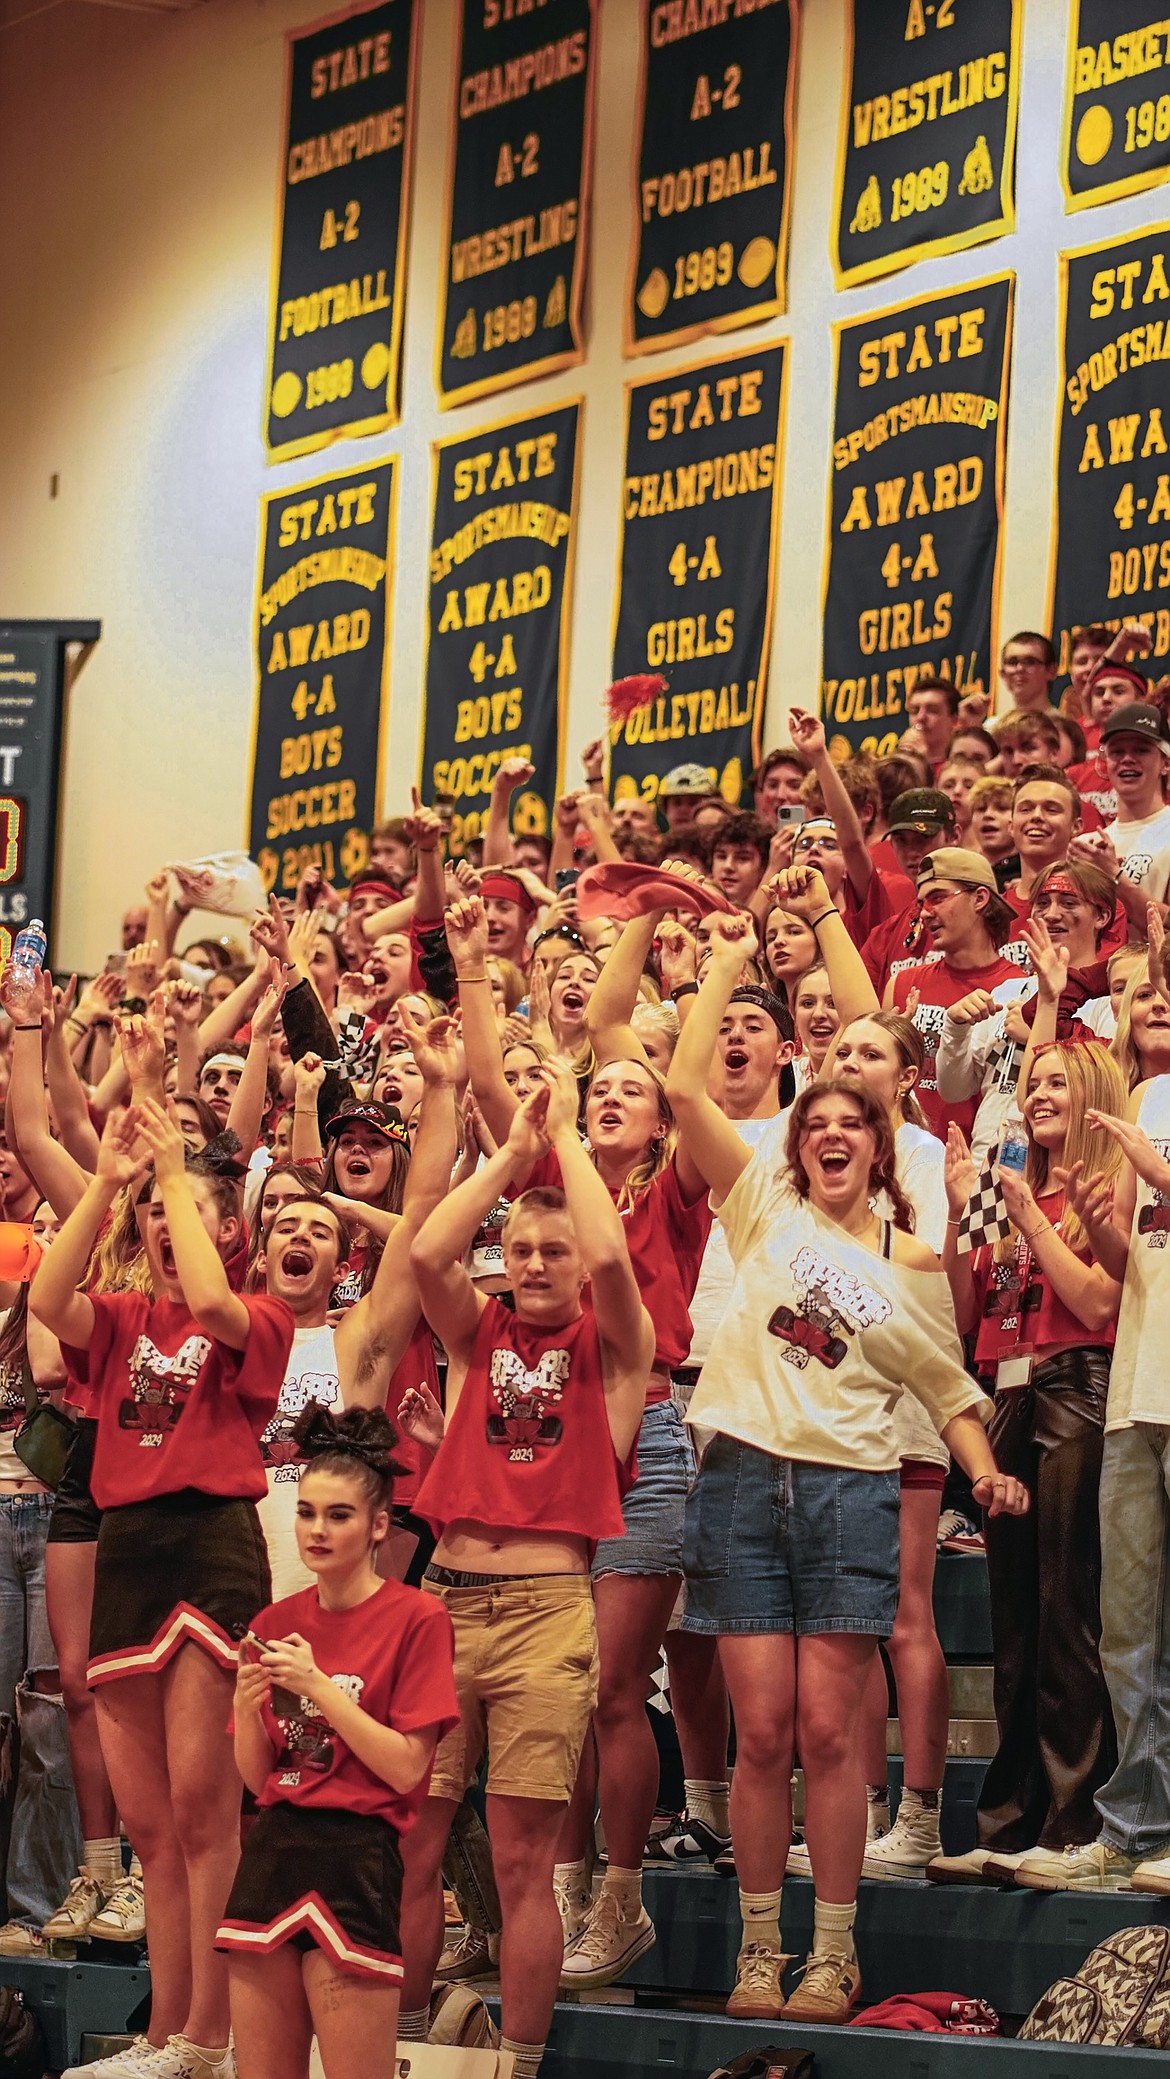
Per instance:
x=1094, y=1082
x=118, y=1262
x=509, y=974
x=656, y=1017
x=1124, y=1047
x=660, y=1152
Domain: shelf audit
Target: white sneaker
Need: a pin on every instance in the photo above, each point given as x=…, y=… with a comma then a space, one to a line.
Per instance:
x=123, y=1916
x=972, y=1868
x=1093, y=1867
x=799, y=1863
x=78, y=1909
x=1153, y=1874
x=911, y=1843
x=607, y=1946
x=574, y=1908
x=140, y=2060
x=877, y=1823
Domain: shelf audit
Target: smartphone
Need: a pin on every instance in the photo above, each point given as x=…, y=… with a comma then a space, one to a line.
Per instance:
x=250, y=1639
x=790, y=812
x=567, y=877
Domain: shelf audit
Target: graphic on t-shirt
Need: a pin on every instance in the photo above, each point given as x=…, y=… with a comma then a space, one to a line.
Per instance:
x=524, y=1400
x=833, y=1305
x=305, y=1736
x=1154, y=1218
x=12, y=1402
x=160, y=1386
x=277, y=1445
x=1137, y=866
x=1010, y=1296
x=930, y=1019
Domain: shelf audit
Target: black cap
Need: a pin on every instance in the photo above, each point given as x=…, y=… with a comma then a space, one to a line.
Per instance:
x=925, y=810
x=1138, y=718
x=385, y=1119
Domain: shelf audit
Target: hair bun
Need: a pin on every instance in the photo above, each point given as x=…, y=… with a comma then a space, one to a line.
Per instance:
x=366, y=1434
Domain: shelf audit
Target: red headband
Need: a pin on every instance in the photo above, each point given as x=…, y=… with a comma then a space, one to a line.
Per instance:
x=506, y=888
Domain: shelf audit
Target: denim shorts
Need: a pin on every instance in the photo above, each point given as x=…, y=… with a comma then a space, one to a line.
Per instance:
x=655, y=1507
x=781, y=1545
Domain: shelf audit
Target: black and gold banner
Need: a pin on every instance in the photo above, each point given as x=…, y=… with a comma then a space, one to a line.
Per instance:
x=696, y=568
x=518, y=196
x=1111, y=533
x=339, y=271
x=504, y=533
x=915, y=507
x=928, y=131
x=712, y=170
x=1117, y=107
x=322, y=634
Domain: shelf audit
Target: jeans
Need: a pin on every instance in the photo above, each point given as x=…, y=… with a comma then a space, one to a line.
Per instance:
x=1135, y=1635
x=44, y=1848
x=24, y=1627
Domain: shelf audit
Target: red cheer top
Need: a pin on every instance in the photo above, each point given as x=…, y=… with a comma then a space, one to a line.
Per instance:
x=666, y=1238
x=1019, y=1313
x=528, y=1444
x=392, y=1654
x=176, y=1409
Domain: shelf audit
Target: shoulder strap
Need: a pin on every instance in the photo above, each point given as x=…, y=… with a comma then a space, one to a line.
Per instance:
x=887, y=1238
x=32, y=1398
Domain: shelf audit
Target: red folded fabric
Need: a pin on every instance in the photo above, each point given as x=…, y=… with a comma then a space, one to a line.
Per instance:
x=932, y=2013
x=621, y=889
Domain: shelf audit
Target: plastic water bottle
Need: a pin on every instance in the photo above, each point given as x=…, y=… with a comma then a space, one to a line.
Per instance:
x=24, y=966
x=1013, y=1143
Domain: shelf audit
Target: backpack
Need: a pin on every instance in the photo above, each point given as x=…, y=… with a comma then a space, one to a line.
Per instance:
x=1120, y=1995
x=768, y=2063
x=22, y=2049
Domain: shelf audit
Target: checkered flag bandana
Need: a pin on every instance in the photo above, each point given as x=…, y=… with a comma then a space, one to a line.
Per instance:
x=985, y=1218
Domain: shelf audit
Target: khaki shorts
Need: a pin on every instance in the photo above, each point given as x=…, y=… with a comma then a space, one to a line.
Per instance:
x=526, y=1679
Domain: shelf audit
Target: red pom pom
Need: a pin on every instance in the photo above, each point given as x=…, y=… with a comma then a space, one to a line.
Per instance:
x=626, y=696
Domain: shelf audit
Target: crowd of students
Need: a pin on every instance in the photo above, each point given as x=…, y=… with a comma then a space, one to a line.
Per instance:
x=470, y=1286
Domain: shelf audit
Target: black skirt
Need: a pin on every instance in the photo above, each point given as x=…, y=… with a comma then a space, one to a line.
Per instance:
x=323, y=1879
x=185, y=1567
x=76, y=1517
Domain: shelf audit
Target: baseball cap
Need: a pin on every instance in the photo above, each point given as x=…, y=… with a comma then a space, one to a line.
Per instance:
x=1138, y=718
x=953, y=863
x=686, y=779
x=925, y=810
x=385, y=1119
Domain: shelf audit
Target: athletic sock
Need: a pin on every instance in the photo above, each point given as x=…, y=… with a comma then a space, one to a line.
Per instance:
x=760, y=1913
x=708, y=1802
x=626, y=1887
x=833, y=1929
x=525, y=2057
x=413, y=2024
x=572, y=1876
x=928, y=1799
x=103, y=1860
x=878, y=1793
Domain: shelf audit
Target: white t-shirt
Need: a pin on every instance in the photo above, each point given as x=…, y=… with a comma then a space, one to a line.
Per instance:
x=822, y=1336
x=311, y=1374
x=1137, y=844
x=1139, y=1377
x=717, y=1272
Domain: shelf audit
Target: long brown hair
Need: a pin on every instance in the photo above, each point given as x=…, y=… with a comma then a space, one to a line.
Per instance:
x=910, y=1048
x=875, y=1119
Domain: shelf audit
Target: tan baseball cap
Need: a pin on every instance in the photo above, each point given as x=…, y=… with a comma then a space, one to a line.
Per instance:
x=953, y=863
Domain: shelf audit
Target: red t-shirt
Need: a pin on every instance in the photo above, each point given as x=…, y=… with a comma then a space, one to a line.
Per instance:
x=666, y=1238
x=174, y=1408
x=939, y=984
x=528, y=1444
x=886, y=896
x=415, y=1367
x=1095, y=792
x=1018, y=1310
x=392, y=1655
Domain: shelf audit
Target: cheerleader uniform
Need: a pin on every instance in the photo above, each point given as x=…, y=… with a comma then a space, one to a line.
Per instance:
x=177, y=1473
x=322, y=1867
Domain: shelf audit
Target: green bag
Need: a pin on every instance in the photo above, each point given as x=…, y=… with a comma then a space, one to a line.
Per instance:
x=43, y=1439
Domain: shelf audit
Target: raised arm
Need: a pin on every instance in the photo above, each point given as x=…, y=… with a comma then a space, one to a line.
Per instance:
x=426, y=835
x=251, y=1092
x=53, y=1170
x=201, y=1274
x=802, y=889
x=611, y=1006
x=468, y=940
x=710, y=1139
x=808, y=734
x=497, y=836
x=449, y=1299
x=53, y=1294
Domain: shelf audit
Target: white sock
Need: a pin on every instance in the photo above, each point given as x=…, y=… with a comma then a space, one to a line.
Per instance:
x=413, y=2024
x=525, y=2057
x=919, y=1800
x=626, y=1886
x=760, y=1914
x=572, y=1876
x=708, y=1802
x=833, y=1929
x=103, y=1860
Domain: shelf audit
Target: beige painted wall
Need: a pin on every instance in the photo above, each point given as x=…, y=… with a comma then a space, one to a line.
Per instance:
x=137, y=177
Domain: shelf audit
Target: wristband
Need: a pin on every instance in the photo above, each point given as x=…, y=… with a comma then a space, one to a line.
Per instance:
x=1032, y=1238
x=684, y=989
x=471, y=978
x=28, y=1028
x=821, y=918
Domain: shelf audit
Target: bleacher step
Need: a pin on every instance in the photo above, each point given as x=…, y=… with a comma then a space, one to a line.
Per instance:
x=72, y=2000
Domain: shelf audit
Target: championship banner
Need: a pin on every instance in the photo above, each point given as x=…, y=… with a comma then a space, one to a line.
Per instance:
x=322, y=633
x=517, y=196
x=504, y=532
x=712, y=172
x=928, y=132
x=915, y=505
x=1117, y=103
x=696, y=568
x=339, y=270
x=1111, y=533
